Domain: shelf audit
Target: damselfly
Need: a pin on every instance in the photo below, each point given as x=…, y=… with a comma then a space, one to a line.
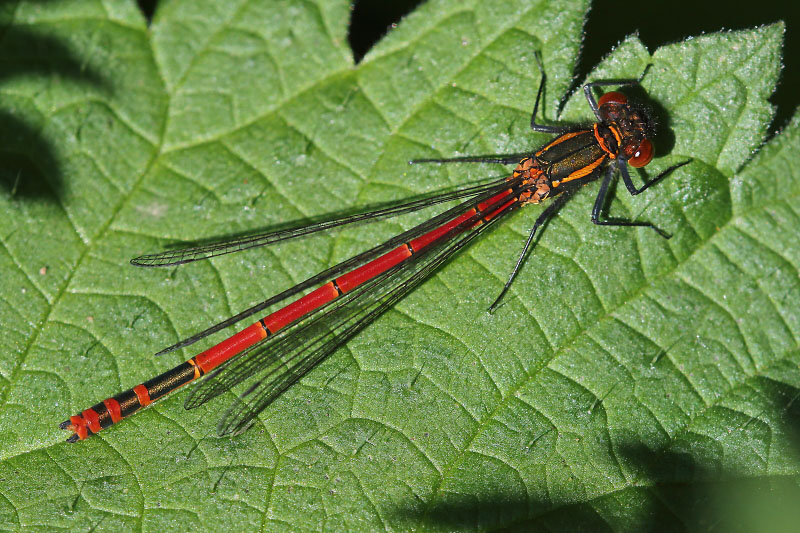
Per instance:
x=280, y=348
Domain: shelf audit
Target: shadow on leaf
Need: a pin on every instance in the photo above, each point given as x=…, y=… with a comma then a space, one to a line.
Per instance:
x=699, y=482
x=493, y=511
x=673, y=491
x=28, y=164
x=683, y=493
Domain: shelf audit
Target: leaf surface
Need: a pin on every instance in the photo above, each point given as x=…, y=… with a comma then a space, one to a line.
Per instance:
x=624, y=378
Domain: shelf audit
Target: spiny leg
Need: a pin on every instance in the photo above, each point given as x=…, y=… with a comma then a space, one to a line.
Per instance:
x=546, y=214
x=587, y=89
x=556, y=130
x=508, y=159
x=626, y=177
x=601, y=200
x=503, y=159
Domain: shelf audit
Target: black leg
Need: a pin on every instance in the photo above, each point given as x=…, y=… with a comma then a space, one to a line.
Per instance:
x=587, y=90
x=556, y=130
x=546, y=214
x=626, y=177
x=601, y=200
x=503, y=159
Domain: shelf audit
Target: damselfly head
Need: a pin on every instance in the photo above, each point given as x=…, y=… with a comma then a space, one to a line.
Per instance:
x=632, y=125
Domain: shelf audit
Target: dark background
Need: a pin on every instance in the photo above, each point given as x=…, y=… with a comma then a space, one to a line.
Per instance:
x=658, y=22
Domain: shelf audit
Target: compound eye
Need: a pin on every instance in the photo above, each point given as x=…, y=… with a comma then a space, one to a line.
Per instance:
x=643, y=155
x=612, y=97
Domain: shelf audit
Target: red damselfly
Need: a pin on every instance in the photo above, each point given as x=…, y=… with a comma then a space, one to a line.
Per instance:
x=283, y=346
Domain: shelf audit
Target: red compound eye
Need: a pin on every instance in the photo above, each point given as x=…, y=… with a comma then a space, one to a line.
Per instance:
x=612, y=97
x=643, y=155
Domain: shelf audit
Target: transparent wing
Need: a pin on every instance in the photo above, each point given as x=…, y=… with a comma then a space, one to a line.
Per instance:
x=279, y=361
x=487, y=189
x=223, y=247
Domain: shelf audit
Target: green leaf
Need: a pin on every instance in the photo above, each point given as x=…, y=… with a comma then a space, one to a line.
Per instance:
x=628, y=382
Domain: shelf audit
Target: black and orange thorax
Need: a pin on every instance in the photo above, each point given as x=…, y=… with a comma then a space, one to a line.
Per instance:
x=569, y=161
